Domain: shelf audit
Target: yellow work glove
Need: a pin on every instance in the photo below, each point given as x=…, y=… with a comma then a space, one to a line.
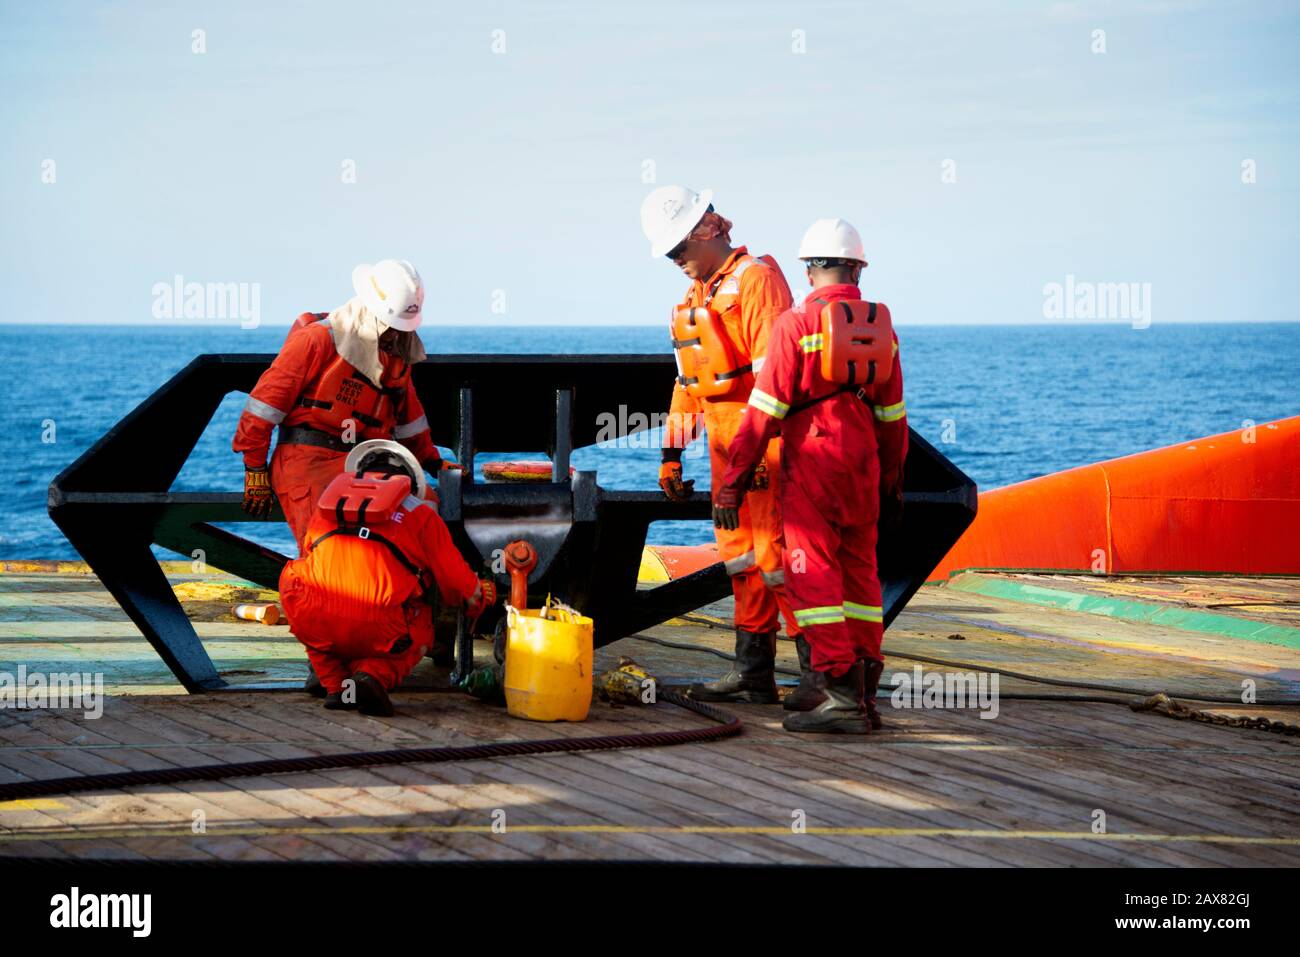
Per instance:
x=258, y=497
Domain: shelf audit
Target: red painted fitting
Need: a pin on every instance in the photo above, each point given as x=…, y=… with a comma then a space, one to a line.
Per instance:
x=521, y=559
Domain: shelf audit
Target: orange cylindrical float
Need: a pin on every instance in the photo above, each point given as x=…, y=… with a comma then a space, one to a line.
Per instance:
x=1226, y=504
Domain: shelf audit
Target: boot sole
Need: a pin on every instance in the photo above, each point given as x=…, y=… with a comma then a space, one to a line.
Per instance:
x=842, y=727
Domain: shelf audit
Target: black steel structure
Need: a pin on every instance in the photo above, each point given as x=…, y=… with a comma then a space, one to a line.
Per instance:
x=115, y=501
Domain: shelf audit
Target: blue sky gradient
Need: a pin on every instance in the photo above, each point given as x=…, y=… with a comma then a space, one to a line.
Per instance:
x=523, y=170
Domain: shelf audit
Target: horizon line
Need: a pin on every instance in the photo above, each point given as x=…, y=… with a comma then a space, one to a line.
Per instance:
x=1058, y=323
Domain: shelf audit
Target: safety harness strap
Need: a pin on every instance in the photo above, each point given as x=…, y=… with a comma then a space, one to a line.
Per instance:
x=860, y=390
x=372, y=536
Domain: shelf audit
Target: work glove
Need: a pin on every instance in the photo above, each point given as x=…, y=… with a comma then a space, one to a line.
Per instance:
x=484, y=597
x=726, y=506
x=258, y=498
x=670, y=480
x=891, y=508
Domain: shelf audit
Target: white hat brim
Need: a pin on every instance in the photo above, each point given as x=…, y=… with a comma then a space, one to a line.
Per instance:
x=701, y=207
x=388, y=445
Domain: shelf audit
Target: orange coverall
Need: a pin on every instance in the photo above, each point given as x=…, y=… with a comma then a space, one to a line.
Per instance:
x=838, y=454
x=356, y=607
x=751, y=294
x=299, y=473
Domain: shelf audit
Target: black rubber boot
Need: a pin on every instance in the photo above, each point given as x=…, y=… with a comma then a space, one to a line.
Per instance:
x=841, y=713
x=312, y=685
x=335, y=702
x=372, y=697
x=871, y=670
x=753, y=676
x=811, y=691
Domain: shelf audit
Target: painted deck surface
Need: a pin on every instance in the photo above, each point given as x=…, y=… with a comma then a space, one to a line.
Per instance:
x=936, y=788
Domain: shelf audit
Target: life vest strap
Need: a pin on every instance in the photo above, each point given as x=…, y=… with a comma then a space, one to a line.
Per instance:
x=860, y=390
x=734, y=373
x=366, y=419
x=373, y=536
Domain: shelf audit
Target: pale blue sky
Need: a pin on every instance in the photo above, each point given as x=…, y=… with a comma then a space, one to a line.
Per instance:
x=523, y=171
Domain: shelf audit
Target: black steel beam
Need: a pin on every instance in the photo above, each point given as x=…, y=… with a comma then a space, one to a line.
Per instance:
x=115, y=500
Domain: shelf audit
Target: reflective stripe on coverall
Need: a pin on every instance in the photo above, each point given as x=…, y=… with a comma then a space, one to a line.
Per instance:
x=299, y=473
x=355, y=607
x=750, y=295
x=837, y=456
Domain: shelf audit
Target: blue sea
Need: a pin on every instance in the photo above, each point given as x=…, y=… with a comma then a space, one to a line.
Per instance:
x=1006, y=403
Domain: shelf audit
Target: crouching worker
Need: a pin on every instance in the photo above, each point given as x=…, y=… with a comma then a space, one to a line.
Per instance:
x=359, y=597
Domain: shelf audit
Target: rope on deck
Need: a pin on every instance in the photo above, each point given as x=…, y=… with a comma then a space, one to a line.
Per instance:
x=727, y=725
x=1163, y=704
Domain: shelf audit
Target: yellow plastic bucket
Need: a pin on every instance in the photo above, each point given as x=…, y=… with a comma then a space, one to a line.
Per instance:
x=548, y=666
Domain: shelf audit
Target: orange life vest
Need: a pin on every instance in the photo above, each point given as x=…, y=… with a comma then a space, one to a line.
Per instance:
x=341, y=393
x=355, y=575
x=857, y=342
x=708, y=363
x=357, y=500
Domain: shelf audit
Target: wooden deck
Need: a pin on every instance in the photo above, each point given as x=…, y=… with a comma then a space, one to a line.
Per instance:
x=936, y=788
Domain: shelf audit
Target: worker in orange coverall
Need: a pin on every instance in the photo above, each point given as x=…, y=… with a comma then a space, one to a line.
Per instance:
x=357, y=598
x=843, y=453
x=339, y=379
x=744, y=294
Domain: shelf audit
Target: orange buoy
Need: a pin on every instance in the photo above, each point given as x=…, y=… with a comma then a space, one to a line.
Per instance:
x=518, y=471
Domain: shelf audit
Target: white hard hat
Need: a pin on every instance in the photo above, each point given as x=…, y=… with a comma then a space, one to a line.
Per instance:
x=370, y=446
x=669, y=214
x=832, y=239
x=392, y=291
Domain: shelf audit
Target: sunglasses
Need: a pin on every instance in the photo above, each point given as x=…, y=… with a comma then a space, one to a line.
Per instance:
x=678, y=251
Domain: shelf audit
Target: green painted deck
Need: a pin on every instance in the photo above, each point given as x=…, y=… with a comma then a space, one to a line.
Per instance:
x=936, y=788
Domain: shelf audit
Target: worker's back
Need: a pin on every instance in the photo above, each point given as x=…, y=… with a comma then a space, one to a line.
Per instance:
x=366, y=558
